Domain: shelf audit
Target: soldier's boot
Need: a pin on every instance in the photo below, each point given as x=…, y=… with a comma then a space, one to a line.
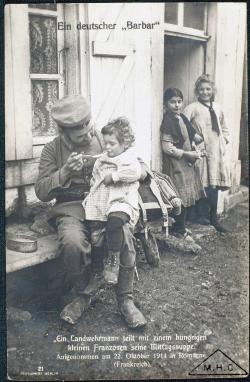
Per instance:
x=111, y=267
x=124, y=291
x=96, y=279
x=72, y=312
x=79, y=302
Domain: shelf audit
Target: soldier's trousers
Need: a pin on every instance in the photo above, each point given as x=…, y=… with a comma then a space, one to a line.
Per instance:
x=76, y=238
x=75, y=250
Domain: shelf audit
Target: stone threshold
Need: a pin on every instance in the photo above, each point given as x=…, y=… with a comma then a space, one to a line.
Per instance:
x=231, y=200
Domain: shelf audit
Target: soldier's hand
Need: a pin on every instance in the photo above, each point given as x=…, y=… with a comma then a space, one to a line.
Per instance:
x=73, y=163
x=88, y=160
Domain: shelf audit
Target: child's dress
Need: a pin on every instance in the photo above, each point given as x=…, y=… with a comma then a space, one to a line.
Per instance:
x=185, y=177
x=121, y=195
x=213, y=167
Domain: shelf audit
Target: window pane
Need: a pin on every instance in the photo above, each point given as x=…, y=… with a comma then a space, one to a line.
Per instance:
x=44, y=94
x=171, y=13
x=43, y=44
x=51, y=7
x=194, y=15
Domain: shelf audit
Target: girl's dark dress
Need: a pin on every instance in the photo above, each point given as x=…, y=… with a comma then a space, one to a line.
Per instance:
x=178, y=134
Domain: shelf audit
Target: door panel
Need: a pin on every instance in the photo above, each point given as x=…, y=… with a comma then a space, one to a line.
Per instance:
x=124, y=88
x=112, y=61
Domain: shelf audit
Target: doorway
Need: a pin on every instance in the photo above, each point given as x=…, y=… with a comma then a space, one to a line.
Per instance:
x=184, y=62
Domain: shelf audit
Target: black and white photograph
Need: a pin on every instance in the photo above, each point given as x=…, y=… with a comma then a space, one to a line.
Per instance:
x=141, y=106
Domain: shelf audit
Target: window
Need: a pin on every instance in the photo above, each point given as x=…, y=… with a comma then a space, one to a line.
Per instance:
x=187, y=19
x=40, y=67
x=46, y=82
x=194, y=15
x=171, y=13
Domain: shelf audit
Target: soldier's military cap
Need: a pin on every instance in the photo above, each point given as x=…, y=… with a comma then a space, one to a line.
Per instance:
x=71, y=111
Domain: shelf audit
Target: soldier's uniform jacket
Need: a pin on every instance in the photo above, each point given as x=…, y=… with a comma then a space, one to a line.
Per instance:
x=69, y=195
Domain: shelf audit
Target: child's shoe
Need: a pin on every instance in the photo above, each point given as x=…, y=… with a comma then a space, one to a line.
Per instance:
x=111, y=268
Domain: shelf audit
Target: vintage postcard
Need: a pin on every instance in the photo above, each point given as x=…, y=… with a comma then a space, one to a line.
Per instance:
x=126, y=162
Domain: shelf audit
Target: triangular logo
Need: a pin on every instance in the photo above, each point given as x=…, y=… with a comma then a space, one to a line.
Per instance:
x=218, y=363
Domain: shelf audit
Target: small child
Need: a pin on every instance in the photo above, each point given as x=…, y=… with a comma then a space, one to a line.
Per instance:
x=208, y=120
x=178, y=140
x=113, y=196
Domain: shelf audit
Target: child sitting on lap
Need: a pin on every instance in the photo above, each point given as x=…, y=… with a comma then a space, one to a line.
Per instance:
x=113, y=197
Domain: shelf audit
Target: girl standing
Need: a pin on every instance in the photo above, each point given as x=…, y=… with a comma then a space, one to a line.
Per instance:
x=178, y=139
x=208, y=120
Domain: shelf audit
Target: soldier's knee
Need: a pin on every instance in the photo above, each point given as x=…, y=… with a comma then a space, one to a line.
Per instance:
x=73, y=245
x=71, y=240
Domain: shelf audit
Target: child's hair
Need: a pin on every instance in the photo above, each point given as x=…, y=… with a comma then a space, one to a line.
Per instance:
x=121, y=128
x=170, y=93
x=202, y=79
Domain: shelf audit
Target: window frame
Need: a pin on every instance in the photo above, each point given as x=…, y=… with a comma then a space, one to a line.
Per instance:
x=179, y=30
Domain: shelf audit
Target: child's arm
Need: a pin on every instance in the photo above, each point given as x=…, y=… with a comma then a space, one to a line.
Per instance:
x=225, y=131
x=127, y=172
x=169, y=147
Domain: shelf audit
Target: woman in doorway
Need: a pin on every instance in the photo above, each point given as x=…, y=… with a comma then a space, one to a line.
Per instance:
x=208, y=120
x=178, y=139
